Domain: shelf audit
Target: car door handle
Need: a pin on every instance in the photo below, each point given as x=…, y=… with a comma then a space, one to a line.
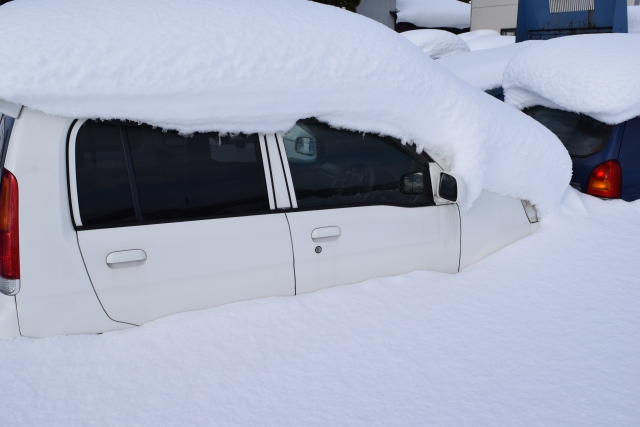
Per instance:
x=120, y=258
x=325, y=232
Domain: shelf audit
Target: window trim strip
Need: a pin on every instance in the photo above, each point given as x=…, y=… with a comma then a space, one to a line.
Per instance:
x=287, y=171
x=73, y=184
x=268, y=176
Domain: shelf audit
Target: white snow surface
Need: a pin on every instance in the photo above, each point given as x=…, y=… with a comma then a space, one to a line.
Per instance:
x=633, y=19
x=434, y=13
x=470, y=35
x=256, y=66
x=437, y=43
x=490, y=42
x=593, y=74
x=484, y=68
x=545, y=332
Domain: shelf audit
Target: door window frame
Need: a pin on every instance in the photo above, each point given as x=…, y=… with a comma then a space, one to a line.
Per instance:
x=294, y=202
x=268, y=168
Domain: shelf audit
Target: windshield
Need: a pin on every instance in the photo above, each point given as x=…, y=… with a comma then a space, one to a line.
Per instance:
x=581, y=135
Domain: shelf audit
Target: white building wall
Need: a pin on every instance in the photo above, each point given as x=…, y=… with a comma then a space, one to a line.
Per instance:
x=378, y=10
x=493, y=14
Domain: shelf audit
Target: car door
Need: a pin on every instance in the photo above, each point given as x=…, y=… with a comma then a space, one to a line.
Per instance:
x=362, y=207
x=168, y=223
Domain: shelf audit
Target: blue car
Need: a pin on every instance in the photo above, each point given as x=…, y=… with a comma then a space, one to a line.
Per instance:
x=606, y=158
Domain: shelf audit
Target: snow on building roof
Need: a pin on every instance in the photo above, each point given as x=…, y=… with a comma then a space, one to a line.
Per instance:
x=255, y=66
x=484, y=68
x=434, y=13
x=593, y=74
x=437, y=43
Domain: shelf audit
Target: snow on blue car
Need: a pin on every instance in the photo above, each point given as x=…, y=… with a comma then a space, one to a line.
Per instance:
x=584, y=89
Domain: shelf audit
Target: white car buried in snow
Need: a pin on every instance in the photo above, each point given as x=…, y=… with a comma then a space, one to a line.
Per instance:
x=232, y=192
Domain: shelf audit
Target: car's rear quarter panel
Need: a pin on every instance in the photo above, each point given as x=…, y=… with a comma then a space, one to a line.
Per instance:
x=56, y=295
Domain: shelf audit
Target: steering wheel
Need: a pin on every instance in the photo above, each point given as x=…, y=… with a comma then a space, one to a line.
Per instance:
x=353, y=175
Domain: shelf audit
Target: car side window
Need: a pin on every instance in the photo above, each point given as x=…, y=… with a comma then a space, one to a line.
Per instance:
x=104, y=191
x=175, y=177
x=333, y=167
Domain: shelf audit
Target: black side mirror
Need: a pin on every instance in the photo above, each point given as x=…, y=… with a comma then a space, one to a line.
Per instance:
x=448, y=187
x=412, y=183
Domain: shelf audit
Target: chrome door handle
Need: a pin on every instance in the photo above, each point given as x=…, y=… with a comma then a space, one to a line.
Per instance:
x=121, y=258
x=325, y=233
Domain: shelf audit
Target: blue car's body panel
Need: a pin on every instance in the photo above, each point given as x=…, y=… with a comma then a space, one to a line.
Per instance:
x=629, y=158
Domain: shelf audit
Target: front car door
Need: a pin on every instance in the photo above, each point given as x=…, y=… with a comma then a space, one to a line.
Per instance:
x=168, y=223
x=363, y=207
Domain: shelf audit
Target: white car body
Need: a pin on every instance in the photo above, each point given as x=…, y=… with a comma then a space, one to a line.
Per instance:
x=76, y=280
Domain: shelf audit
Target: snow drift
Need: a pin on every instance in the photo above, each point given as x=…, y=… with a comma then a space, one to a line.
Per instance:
x=594, y=74
x=484, y=68
x=255, y=66
x=470, y=35
x=490, y=42
x=633, y=18
x=436, y=43
x=434, y=13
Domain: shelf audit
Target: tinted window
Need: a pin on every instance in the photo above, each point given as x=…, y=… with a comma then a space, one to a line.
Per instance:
x=580, y=134
x=331, y=167
x=203, y=175
x=104, y=192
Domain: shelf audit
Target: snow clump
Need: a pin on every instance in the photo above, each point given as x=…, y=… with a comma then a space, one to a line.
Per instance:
x=593, y=74
x=437, y=43
x=470, y=35
x=255, y=66
x=484, y=68
x=434, y=13
x=490, y=42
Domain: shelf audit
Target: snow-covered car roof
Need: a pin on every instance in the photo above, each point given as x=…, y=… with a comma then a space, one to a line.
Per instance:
x=257, y=66
x=434, y=13
x=593, y=74
x=437, y=43
x=484, y=68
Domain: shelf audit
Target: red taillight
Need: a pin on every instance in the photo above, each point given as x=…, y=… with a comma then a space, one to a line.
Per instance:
x=9, y=242
x=606, y=180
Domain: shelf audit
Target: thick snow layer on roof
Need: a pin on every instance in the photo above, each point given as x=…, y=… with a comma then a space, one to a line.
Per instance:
x=633, y=18
x=594, y=74
x=490, y=42
x=545, y=332
x=470, y=35
x=484, y=68
x=434, y=13
x=437, y=43
x=256, y=66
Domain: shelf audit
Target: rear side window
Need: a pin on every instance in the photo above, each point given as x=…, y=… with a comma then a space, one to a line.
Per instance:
x=332, y=167
x=104, y=191
x=581, y=135
x=200, y=176
x=133, y=174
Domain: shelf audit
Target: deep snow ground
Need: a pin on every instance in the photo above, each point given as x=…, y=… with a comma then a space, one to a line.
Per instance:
x=543, y=333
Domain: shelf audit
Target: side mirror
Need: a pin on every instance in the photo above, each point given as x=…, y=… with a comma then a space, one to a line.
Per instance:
x=412, y=183
x=448, y=187
x=451, y=188
x=306, y=146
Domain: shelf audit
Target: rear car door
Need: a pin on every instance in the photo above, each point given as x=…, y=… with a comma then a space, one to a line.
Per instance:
x=168, y=223
x=362, y=207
